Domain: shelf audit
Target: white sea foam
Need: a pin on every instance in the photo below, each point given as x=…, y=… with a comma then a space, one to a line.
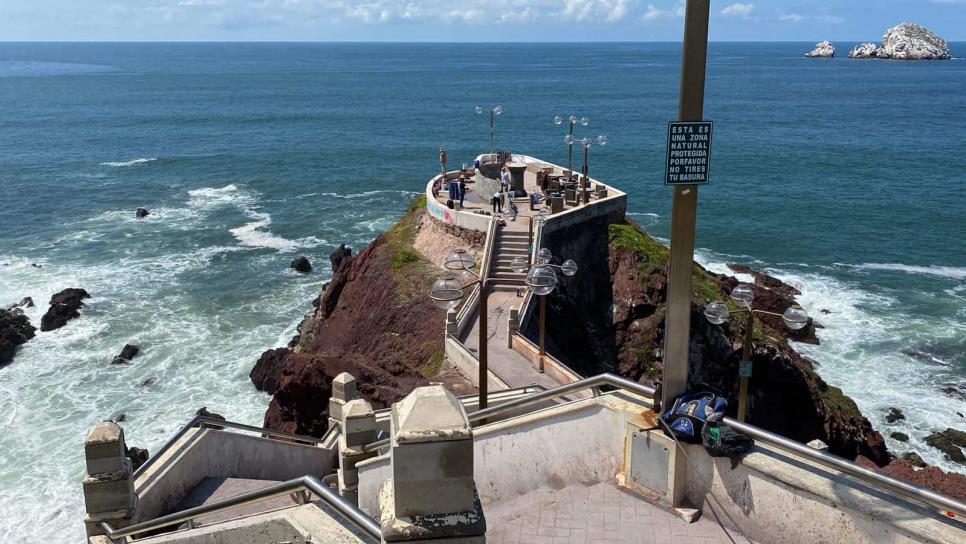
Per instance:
x=863, y=340
x=956, y=273
x=256, y=234
x=131, y=162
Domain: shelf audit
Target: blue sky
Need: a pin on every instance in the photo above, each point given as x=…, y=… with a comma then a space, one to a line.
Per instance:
x=466, y=20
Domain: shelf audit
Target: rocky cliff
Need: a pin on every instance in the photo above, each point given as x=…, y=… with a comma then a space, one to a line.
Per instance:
x=374, y=321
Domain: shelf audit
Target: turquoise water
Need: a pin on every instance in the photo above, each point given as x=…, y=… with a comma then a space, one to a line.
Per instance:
x=843, y=177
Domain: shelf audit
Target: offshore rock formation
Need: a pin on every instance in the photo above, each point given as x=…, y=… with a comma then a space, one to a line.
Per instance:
x=64, y=306
x=823, y=49
x=907, y=41
x=865, y=50
x=374, y=321
x=15, y=329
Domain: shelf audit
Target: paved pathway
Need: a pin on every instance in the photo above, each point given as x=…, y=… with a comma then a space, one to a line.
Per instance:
x=598, y=514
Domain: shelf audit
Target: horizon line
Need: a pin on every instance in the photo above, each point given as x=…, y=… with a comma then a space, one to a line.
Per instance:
x=409, y=42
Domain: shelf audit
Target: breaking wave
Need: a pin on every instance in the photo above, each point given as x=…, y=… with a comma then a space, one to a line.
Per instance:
x=255, y=234
x=131, y=162
x=933, y=270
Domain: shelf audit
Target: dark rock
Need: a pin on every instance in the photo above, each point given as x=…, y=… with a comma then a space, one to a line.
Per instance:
x=127, y=353
x=301, y=264
x=119, y=418
x=268, y=370
x=954, y=392
x=948, y=483
x=894, y=415
x=141, y=213
x=25, y=302
x=825, y=311
x=914, y=459
x=203, y=412
x=951, y=443
x=901, y=437
x=35, y=265
x=149, y=382
x=138, y=457
x=64, y=306
x=337, y=257
x=15, y=329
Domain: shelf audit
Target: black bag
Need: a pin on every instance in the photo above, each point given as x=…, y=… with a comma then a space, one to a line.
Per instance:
x=723, y=441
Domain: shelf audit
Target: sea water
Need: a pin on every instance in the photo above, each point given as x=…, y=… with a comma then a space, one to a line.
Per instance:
x=844, y=178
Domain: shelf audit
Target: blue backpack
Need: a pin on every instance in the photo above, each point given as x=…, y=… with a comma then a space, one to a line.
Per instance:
x=688, y=414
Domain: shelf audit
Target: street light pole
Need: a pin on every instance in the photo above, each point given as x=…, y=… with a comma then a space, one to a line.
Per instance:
x=684, y=209
x=746, y=350
x=494, y=111
x=570, y=148
x=543, y=330
x=492, y=114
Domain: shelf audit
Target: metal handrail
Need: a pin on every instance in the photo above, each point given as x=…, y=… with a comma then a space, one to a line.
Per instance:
x=310, y=483
x=378, y=444
x=911, y=491
x=198, y=421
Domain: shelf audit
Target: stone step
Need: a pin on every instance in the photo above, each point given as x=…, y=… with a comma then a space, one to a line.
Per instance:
x=211, y=490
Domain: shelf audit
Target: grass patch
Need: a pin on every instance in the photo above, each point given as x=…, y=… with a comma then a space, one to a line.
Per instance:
x=403, y=257
x=433, y=365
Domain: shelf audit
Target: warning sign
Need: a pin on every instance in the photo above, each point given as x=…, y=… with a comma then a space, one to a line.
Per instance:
x=688, y=153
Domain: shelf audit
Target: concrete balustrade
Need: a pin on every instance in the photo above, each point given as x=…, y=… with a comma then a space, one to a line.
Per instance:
x=344, y=390
x=358, y=429
x=432, y=494
x=108, y=485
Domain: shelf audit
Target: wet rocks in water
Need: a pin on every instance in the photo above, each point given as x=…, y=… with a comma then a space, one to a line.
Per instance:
x=64, y=306
x=203, y=412
x=894, y=415
x=141, y=213
x=138, y=457
x=149, y=382
x=951, y=442
x=823, y=49
x=340, y=254
x=268, y=370
x=901, y=437
x=914, y=459
x=301, y=264
x=127, y=353
x=25, y=302
x=15, y=329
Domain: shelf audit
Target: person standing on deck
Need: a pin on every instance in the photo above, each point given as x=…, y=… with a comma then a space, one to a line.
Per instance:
x=462, y=188
x=504, y=183
x=442, y=160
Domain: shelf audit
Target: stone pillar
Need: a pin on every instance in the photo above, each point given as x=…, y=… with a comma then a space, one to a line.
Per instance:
x=344, y=390
x=432, y=495
x=358, y=429
x=452, y=326
x=109, y=483
x=513, y=325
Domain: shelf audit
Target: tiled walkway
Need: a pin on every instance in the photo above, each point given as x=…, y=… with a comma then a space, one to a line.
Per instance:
x=599, y=514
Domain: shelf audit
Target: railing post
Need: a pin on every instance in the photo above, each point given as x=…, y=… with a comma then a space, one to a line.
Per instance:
x=452, y=325
x=358, y=429
x=109, y=483
x=432, y=494
x=513, y=325
x=344, y=390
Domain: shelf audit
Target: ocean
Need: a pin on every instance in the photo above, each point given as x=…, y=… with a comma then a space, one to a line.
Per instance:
x=845, y=178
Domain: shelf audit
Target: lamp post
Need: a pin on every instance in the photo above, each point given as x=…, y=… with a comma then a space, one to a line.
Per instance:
x=447, y=291
x=743, y=295
x=541, y=280
x=586, y=143
x=569, y=138
x=494, y=111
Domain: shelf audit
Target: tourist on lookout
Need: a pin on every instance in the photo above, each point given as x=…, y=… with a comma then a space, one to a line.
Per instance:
x=442, y=160
x=462, y=187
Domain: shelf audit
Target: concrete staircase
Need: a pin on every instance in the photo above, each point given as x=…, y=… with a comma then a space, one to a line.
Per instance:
x=509, y=244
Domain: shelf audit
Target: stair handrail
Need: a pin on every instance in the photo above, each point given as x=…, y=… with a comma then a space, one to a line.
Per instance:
x=201, y=421
x=951, y=506
x=340, y=504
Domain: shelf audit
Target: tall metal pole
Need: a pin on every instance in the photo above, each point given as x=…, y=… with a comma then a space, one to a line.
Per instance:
x=745, y=356
x=684, y=208
x=570, y=151
x=543, y=330
x=484, y=374
x=491, y=131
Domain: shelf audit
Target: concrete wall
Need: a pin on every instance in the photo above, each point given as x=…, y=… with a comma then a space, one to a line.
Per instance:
x=464, y=219
x=205, y=453
x=774, y=497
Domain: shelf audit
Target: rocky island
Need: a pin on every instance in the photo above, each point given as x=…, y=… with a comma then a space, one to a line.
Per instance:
x=823, y=49
x=906, y=41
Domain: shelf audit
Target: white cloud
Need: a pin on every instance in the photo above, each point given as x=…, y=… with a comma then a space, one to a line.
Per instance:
x=738, y=10
x=790, y=17
x=653, y=13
